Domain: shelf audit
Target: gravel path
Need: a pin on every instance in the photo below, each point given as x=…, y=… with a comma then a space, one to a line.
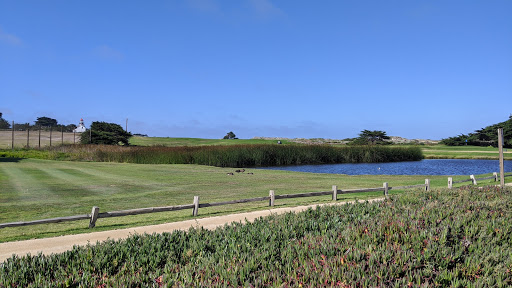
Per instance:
x=61, y=244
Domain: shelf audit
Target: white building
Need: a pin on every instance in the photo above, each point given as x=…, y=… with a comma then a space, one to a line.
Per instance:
x=81, y=127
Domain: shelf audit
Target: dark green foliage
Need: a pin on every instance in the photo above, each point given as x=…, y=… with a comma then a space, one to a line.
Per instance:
x=448, y=238
x=21, y=126
x=4, y=124
x=248, y=155
x=367, y=137
x=45, y=122
x=230, y=135
x=106, y=134
x=487, y=136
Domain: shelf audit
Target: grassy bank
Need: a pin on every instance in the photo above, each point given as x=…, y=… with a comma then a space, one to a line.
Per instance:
x=463, y=152
x=457, y=238
x=38, y=189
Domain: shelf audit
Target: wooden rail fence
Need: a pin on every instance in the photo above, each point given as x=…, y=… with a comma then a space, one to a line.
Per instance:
x=95, y=214
x=474, y=180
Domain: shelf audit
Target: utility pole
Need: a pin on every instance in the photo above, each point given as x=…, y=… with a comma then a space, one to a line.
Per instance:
x=500, y=147
x=126, y=124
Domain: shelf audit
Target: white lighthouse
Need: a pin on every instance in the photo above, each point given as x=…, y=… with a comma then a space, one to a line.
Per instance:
x=81, y=127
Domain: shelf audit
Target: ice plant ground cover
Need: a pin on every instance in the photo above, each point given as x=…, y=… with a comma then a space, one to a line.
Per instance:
x=456, y=238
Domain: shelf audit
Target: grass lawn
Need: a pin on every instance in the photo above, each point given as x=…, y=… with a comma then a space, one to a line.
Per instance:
x=429, y=151
x=173, y=142
x=35, y=189
x=463, y=152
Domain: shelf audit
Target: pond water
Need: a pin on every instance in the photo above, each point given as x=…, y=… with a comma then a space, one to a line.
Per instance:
x=450, y=167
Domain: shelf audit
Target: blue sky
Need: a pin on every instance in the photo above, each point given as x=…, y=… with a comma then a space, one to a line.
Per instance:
x=306, y=69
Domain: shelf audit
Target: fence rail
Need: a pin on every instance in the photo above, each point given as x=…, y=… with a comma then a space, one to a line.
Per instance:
x=271, y=198
x=474, y=180
x=196, y=205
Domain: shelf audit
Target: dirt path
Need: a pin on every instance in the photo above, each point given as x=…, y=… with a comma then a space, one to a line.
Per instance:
x=61, y=244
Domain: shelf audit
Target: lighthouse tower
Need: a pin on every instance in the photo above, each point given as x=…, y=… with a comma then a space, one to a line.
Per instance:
x=81, y=127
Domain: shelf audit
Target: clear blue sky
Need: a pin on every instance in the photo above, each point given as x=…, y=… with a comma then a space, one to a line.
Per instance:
x=309, y=69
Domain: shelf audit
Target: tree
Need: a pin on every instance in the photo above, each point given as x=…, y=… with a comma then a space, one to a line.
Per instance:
x=69, y=127
x=105, y=133
x=230, y=135
x=4, y=124
x=21, y=126
x=367, y=137
x=46, y=122
x=487, y=136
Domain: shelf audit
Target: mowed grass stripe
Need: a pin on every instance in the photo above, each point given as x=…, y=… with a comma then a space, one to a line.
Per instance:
x=61, y=186
x=115, y=184
x=7, y=188
x=148, y=185
x=82, y=186
x=113, y=174
x=25, y=183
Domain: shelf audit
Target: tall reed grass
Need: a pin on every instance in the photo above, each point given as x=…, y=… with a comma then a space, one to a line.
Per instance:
x=244, y=155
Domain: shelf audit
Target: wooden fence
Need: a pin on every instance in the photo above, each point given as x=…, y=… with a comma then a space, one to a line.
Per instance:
x=474, y=180
x=95, y=214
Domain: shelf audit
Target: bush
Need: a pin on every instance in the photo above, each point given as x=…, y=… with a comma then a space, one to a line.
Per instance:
x=106, y=134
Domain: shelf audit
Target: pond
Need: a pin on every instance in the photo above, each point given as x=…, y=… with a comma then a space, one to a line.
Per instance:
x=450, y=167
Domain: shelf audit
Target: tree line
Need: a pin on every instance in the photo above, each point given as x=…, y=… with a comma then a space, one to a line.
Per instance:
x=44, y=123
x=487, y=136
x=99, y=132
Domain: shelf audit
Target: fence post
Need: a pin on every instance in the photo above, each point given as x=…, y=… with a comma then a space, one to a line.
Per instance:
x=386, y=189
x=427, y=184
x=495, y=174
x=51, y=136
x=473, y=179
x=272, y=198
x=334, y=193
x=196, y=206
x=450, y=182
x=94, y=216
x=39, y=136
x=61, y=136
x=12, y=140
x=500, y=149
x=28, y=137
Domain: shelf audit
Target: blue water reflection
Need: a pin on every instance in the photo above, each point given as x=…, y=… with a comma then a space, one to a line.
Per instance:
x=450, y=167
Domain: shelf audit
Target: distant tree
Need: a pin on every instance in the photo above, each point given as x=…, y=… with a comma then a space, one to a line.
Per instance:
x=69, y=127
x=230, y=135
x=46, y=122
x=367, y=137
x=487, y=136
x=4, y=124
x=105, y=133
x=21, y=126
